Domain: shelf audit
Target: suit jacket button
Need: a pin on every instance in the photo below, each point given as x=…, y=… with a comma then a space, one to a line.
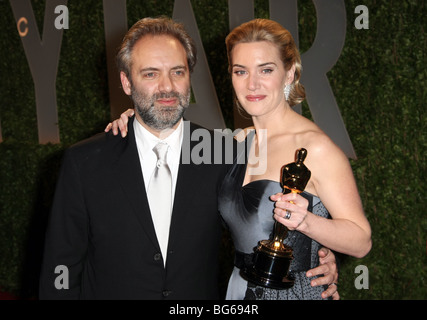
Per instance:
x=166, y=293
x=157, y=257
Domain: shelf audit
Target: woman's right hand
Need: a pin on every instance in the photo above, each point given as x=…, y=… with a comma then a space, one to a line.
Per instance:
x=121, y=123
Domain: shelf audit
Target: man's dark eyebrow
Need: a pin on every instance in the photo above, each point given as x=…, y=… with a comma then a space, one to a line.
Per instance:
x=157, y=69
x=179, y=67
x=149, y=69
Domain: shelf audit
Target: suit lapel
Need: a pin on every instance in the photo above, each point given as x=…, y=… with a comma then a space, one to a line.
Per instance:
x=186, y=182
x=129, y=175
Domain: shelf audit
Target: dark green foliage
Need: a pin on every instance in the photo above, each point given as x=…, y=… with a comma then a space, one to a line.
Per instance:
x=379, y=84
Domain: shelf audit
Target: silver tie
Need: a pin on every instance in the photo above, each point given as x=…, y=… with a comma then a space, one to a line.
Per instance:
x=160, y=197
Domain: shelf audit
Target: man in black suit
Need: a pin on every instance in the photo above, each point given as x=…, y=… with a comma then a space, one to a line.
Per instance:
x=103, y=241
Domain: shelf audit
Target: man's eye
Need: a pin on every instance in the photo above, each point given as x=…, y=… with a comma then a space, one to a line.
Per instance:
x=179, y=73
x=149, y=75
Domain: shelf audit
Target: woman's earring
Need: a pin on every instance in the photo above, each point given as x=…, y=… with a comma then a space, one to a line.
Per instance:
x=287, y=91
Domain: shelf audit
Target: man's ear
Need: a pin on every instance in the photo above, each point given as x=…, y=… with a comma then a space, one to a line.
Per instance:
x=125, y=83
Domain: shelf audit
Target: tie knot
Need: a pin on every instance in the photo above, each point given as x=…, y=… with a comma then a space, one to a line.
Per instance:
x=160, y=150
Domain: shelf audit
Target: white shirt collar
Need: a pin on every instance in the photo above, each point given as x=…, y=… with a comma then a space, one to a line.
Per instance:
x=147, y=140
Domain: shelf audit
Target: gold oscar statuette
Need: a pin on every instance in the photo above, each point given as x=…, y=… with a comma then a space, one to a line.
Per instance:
x=272, y=258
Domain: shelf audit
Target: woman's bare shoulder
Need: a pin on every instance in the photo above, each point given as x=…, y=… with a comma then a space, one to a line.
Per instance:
x=319, y=145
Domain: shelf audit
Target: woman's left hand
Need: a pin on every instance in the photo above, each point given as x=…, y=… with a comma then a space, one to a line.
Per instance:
x=121, y=124
x=290, y=210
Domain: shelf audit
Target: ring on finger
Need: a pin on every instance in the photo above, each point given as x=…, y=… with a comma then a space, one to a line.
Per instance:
x=288, y=214
x=333, y=283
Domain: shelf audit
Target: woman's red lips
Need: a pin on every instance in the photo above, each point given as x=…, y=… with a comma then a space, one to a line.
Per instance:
x=255, y=97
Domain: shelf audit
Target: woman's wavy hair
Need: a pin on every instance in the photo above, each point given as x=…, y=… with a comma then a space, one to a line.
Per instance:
x=271, y=31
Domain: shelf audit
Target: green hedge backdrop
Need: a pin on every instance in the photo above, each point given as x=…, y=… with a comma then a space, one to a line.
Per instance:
x=379, y=83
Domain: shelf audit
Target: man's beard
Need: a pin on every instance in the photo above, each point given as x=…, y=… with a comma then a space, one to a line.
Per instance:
x=160, y=117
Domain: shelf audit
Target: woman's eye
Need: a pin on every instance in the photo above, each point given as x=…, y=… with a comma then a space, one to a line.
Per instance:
x=239, y=72
x=267, y=71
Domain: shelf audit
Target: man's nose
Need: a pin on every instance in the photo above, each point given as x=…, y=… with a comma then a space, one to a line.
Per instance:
x=165, y=84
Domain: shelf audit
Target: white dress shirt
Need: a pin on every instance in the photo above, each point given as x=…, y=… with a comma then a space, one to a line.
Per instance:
x=145, y=142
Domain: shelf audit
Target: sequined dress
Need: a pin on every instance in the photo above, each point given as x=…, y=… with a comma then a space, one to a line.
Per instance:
x=248, y=213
